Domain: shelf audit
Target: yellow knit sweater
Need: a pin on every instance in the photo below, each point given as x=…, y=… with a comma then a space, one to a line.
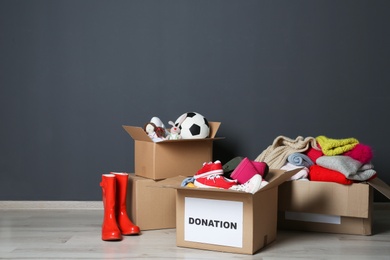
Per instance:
x=331, y=146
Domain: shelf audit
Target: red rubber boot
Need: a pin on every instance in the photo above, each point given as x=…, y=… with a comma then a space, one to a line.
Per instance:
x=110, y=230
x=125, y=225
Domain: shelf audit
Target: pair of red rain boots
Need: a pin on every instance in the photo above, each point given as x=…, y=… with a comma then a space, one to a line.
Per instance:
x=116, y=221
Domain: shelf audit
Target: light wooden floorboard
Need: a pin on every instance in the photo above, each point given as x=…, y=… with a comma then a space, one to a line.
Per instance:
x=75, y=234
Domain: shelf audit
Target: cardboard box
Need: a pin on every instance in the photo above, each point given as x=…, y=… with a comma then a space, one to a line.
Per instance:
x=328, y=207
x=170, y=158
x=226, y=220
x=149, y=205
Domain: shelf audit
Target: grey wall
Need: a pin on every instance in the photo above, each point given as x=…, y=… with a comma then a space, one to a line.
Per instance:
x=72, y=72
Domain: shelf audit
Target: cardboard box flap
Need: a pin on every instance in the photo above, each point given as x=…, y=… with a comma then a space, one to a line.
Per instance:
x=137, y=133
x=171, y=182
x=276, y=177
x=380, y=186
x=214, y=126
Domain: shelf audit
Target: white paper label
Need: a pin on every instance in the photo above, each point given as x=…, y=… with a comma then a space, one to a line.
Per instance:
x=313, y=217
x=217, y=222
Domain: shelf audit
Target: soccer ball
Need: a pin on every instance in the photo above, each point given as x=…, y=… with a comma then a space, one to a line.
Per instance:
x=193, y=126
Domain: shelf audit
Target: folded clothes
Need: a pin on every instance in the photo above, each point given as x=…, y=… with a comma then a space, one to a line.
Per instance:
x=319, y=173
x=302, y=174
x=276, y=154
x=365, y=173
x=313, y=154
x=349, y=167
x=300, y=159
x=361, y=152
x=366, y=166
x=331, y=146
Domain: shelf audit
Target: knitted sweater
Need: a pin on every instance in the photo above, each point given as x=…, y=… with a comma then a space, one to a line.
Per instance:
x=276, y=154
x=331, y=146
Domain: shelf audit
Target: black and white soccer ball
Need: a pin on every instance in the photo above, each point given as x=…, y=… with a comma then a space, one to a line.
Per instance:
x=193, y=126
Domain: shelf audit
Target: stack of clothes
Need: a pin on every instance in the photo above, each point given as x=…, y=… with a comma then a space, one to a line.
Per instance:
x=343, y=161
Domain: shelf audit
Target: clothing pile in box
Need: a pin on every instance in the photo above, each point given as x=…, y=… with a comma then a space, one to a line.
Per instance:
x=240, y=174
x=344, y=161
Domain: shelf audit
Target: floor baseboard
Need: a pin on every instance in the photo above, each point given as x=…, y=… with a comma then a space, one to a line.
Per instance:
x=51, y=205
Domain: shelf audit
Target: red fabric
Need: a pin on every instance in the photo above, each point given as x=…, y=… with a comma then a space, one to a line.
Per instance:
x=314, y=154
x=361, y=152
x=319, y=173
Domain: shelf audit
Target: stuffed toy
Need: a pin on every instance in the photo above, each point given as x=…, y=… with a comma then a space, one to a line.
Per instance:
x=154, y=132
x=174, y=132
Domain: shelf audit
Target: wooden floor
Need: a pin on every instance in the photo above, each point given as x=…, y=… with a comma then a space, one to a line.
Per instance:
x=75, y=234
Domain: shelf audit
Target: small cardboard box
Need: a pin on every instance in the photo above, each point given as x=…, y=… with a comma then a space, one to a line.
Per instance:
x=149, y=205
x=226, y=220
x=170, y=158
x=328, y=207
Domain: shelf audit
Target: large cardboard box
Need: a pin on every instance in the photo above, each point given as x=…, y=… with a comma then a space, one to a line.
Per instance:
x=149, y=205
x=228, y=221
x=170, y=158
x=327, y=206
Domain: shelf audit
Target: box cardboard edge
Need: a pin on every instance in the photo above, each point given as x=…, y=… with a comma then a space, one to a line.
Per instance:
x=137, y=133
x=380, y=186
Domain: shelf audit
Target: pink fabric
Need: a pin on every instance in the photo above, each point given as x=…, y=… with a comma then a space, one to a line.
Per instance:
x=246, y=169
x=261, y=167
x=361, y=152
